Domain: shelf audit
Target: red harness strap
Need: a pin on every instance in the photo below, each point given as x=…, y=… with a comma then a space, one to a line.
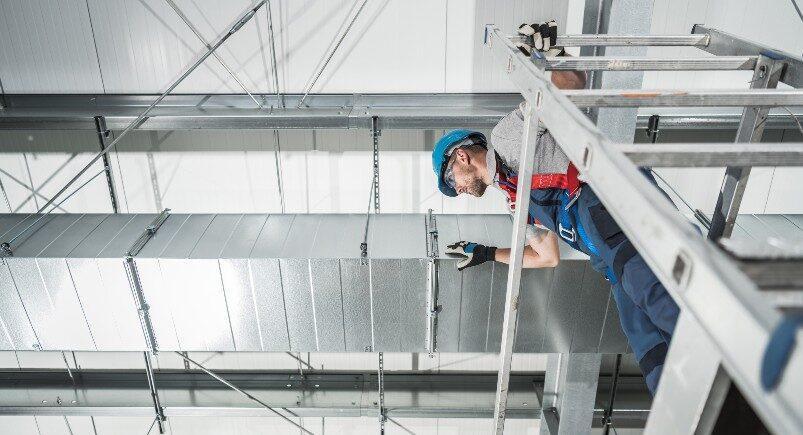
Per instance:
x=567, y=181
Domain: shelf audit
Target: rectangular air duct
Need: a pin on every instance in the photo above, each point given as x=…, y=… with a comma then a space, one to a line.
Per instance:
x=257, y=282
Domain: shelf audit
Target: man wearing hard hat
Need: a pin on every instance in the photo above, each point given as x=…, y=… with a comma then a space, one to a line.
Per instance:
x=561, y=207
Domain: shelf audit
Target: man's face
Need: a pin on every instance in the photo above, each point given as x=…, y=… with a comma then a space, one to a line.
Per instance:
x=467, y=177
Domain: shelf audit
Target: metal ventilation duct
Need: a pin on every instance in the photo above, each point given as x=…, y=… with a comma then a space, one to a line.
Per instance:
x=257, y=282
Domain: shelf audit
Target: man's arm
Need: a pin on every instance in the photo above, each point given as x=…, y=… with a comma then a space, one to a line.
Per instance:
x=542, y=251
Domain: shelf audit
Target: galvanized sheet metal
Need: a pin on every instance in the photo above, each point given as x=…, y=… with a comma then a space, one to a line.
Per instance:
x=17, y=331
x=358, y=316
x=293, y=282
x=108, y=303
x=268, y=302
x=46, y=290
x=68, y=240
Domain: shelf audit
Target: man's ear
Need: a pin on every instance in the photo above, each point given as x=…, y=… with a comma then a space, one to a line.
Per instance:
x=462, y=156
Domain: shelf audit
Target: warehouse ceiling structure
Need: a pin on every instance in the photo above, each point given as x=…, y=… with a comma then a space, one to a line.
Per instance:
x=221, y=217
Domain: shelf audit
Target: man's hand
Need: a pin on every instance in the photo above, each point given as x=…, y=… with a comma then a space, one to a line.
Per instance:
x=540, y=37
x=472, y=253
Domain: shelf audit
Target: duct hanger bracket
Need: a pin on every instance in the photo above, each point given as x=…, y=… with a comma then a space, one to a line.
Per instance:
x=136, y=283
x=432, y=284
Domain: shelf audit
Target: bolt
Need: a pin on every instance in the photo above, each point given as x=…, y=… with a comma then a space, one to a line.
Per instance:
x=317, y=385
x=73, y=402
x=44, y=402
x=524, y=403
x=289, y=385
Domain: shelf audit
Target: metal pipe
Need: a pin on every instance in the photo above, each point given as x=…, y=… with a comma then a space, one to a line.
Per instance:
x=279, y=100
x=189, y=24
x=622, y=63
x=232, y=30
x=244, y=393
x=337, y=45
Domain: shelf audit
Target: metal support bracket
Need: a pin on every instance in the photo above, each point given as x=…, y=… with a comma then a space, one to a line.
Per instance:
x=157, y=404
x=383, y=412
x=433, y=309
x=135, y=282
x=103, y=135
x=375, y=134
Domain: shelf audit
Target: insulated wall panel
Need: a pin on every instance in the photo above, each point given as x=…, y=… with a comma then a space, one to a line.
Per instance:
x=48, y=47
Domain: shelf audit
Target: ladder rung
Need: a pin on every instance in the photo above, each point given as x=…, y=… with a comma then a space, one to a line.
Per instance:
x=698, y=155
x=678, y=98
x=632, y=40
x=598, y=63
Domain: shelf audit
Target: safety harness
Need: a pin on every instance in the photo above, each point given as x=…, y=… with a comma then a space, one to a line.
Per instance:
x=570, y=187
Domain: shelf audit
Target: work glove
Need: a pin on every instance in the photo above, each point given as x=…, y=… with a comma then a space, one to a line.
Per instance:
x=540, y=37
x=472, y=253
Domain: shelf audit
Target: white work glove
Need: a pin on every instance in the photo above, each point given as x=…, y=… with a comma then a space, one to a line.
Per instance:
x=541, y=38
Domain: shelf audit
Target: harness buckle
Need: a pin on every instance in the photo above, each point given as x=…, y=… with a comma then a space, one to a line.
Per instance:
x=567, y=234
x=573, y=196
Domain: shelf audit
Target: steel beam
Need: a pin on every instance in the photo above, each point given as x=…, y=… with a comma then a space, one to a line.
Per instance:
x=411, y=111
x=570, y=387
x=701, y=155
x=344, y=394
x=621, y=63
x=751, y=128
x=698, y=276
x=725, y=44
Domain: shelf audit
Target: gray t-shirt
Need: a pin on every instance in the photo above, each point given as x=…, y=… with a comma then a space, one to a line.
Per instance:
x=506, y=141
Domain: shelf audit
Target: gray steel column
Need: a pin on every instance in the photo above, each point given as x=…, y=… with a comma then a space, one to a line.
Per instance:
x=103, y=134
x=570, y=387
x=766, y=75
x=693, y=383
x=630, y=17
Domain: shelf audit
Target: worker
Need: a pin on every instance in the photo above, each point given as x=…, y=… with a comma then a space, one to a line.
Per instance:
x=561, y=207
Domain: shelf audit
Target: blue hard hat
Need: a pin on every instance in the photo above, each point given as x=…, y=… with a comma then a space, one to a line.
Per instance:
x=442, y=151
